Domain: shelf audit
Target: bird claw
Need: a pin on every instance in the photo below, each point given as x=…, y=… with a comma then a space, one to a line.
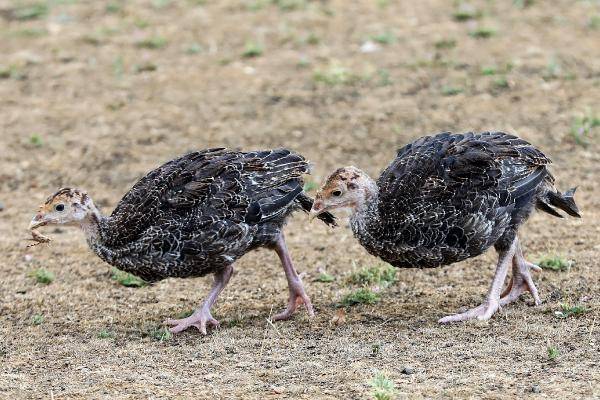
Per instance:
x=296, y=298
x=482, y=313
x=199, y=320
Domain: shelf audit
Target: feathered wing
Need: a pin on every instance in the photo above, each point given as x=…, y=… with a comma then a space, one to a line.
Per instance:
x=202, y=188
x=457, y=193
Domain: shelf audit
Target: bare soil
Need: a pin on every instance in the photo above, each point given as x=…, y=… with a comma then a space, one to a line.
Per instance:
x=94, y=94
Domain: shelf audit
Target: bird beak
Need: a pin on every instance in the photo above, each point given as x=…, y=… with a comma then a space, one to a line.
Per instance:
x=317, y=208
x=37, y=221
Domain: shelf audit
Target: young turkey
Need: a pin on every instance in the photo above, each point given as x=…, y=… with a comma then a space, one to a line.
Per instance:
x=196, y=215
x=449, y=197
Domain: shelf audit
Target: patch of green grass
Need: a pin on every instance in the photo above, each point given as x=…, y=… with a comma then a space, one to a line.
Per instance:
x=555, y=263
x=383, y=77
x=32, y=11
x=194, y=48
x=381, y=275
x=488, y=71
x=553, y=353
x=118, y=67
x=451, y=90
x=324, y=277
x=252, y=49
x=184, y=314
x=567, y=311
x=310, y=186
x=160, y=334
x=290, y=5
x=153, y=43
x=445, y=44
x=43, y=276
x=36, y=140
x=126, y=279
x=12, y=72
x=159, y=4
x=523, y=3
x=113, y=7
x=482, y=33
x=360, y=296
x=145, y=67
x=583, y=128
x=382, y=388
x=335, y=75
x=465, y=12
x=501, y=83
x=312, y=39
x=141, y=23
x=105, y=334
x=594, y=22
x=37, y=319
x=30, y=32
x=386, y=37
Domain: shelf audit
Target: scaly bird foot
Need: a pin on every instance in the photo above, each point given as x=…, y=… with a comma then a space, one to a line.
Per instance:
x=200, y=319
x=297, y=297
x=482, y=312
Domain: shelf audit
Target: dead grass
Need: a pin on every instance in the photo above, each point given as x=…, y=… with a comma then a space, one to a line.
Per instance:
x=94, y=94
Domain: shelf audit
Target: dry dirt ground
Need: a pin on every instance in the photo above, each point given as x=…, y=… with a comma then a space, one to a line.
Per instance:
x=93, y=94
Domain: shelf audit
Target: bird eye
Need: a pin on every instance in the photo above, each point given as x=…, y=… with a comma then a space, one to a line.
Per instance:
x=336, y=193
x=59, y=207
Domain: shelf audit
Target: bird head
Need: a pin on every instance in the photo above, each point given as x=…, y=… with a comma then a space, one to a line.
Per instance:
x=67, y=206
x=345, y=188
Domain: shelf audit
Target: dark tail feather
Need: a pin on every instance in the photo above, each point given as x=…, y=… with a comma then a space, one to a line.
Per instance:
x=306, y=202
x=564, y=202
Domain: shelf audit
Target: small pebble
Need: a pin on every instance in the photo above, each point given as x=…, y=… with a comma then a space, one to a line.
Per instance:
x=408, y=371
x=28, y=257
x=536, y=389
x=1, y=206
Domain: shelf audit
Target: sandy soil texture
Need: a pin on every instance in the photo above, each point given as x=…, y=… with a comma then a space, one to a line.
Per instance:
x=94, y=94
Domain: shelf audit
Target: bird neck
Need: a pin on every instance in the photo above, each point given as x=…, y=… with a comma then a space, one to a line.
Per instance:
x=92, y=224
x=366, y=207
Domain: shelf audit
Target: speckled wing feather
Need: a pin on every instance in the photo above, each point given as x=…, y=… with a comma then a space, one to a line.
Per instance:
x=202, y=211
x=450, y=196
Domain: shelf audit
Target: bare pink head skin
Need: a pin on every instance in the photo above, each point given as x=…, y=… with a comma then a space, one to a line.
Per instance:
x=346, y=188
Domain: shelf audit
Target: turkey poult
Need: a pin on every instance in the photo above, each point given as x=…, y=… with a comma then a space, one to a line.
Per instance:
x=196, y=215
x=449, y=197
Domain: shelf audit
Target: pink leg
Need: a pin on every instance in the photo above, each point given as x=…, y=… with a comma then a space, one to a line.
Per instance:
x=492, y=302
x=201, y=317
x=297, y=293
x=521, y=280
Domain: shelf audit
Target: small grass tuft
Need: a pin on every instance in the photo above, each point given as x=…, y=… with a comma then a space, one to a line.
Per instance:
x=252, y=49
x=160, y=334
x=194, y=48
x=335, y=75
x=105, y=334
x=310, y=186
x=153, y=43
x=382, y=387
x=489, y=71
x=501, y=83
x=555, y=263
x=42, y=276
x=126, y=279
x=582, y=129
x=360, y=296
x=451, y=90
x=37, y=319
x=290, y=5
x=381, y=275
x=445, y=44
x=386, y=37
x=482, y=33
x=32, y=11
x=465, y=13
x=324, y=277
x=567, y=311
x=553, y=353
x=36, y=140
